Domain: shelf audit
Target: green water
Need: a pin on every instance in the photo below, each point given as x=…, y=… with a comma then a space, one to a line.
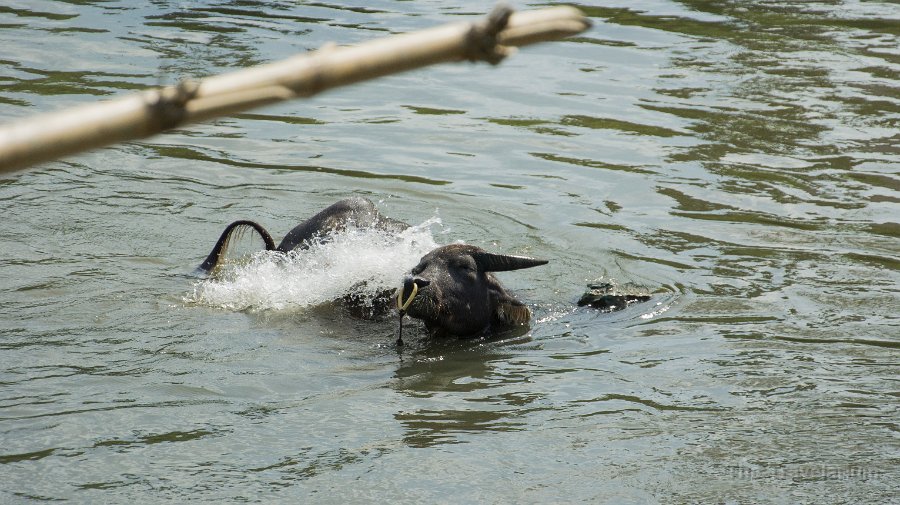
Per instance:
x=738, y=159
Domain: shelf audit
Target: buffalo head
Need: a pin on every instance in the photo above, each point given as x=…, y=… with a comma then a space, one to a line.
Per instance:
x=453, y=291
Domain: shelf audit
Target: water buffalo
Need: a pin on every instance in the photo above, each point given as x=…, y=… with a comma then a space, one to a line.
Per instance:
x=452, y=290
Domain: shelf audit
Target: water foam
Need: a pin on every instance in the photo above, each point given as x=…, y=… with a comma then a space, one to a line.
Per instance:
x=359, y=261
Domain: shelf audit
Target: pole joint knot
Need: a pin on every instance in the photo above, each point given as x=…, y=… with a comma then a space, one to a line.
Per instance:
x=169, y=104
x=482, y=42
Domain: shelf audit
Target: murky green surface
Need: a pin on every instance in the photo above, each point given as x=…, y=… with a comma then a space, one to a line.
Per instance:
x=739, y=159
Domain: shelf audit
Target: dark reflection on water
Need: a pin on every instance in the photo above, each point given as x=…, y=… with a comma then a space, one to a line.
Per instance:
x=466, y=370
x=738, y=160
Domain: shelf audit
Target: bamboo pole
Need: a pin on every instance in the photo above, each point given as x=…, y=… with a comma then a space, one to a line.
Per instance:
x=51, y=136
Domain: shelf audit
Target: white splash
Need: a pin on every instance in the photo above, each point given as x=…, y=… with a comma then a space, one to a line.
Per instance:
x=364, y=261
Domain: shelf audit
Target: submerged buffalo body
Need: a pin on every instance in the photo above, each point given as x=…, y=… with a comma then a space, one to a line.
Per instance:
x=452, y=290
x=358, y=212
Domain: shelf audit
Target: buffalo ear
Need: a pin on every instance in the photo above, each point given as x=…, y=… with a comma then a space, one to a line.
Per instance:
x=513, y=313
x=488, y=262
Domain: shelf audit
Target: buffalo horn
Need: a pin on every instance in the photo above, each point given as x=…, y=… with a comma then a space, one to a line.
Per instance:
x=488, y=262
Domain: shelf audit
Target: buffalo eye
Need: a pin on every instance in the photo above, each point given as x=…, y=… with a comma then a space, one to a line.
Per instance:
x=464, y=263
